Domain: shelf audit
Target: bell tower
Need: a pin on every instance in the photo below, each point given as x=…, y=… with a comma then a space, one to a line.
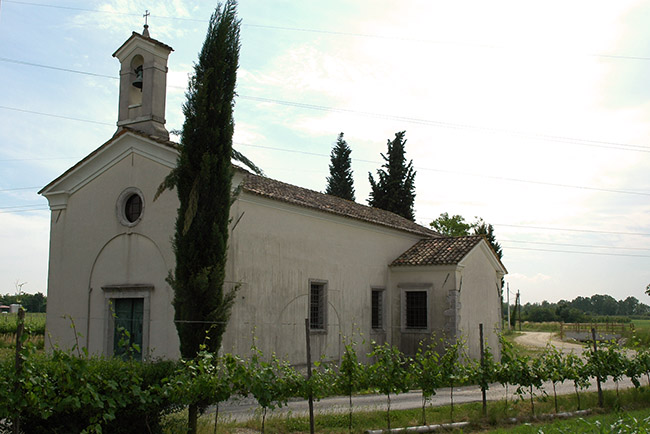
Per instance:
x=143, y=82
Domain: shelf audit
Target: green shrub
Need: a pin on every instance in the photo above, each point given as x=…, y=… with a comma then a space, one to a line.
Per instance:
x=66, y=393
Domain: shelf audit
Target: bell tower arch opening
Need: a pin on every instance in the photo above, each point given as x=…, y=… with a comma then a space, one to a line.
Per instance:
x=135, y=92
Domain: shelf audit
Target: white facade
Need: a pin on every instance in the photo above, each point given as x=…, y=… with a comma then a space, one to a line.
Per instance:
x=288, y=253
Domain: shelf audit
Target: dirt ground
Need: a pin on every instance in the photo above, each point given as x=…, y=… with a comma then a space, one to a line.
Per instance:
x=541, y=339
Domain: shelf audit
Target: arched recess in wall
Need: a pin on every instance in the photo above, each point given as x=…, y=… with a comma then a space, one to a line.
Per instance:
x=127, y=259
x=287, y=326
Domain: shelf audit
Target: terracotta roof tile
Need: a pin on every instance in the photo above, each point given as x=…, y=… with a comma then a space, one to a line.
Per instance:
x=438, y=251
x=292, y=194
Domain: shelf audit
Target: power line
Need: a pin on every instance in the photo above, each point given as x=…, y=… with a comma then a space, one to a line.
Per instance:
x=55, y=116
x=316, y=31
x=441, y=124
x=572, y=245
x=21, y=206
x=18, y=188
x=38, y=159
x=591, y=231
x=39, y=65
x=498, y=178
x=24, y=210
x=576, y=252
x=444, y=124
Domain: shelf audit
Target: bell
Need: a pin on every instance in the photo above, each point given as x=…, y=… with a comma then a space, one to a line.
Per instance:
x=138, y=78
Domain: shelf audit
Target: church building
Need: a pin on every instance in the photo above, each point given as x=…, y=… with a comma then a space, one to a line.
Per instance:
x=353, y=271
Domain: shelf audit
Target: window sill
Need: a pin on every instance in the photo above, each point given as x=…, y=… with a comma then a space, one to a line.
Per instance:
x=416, y=331
x=317, y=331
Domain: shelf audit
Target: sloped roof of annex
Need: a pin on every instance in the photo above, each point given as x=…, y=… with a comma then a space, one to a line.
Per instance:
x=443, y=251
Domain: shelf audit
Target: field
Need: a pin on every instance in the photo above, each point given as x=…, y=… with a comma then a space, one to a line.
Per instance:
x=34, y=323
x=34, y=326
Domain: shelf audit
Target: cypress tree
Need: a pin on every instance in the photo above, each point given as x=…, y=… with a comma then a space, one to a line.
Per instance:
x=487, y=230
x=340, y=182
x=203, y=178
x=395, y=189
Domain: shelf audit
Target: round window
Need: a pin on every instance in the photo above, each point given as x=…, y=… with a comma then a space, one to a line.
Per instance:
x=130, y=206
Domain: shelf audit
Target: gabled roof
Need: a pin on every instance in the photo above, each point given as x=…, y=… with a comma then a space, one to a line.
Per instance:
x=276, y=190
x=117, y=135
x=292, y=194
x=441, y=251
x=146, y=38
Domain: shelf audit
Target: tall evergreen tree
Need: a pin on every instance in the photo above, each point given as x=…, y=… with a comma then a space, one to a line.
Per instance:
x=202, y=178
x=482, y=228
x=340, y=182
x=395, y=189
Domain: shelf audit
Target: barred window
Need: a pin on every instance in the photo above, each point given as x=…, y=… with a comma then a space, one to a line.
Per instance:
x=317, y=306
x=377, y=307
x=416, y=310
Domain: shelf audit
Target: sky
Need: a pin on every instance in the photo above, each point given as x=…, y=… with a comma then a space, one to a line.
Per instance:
x=534, y=116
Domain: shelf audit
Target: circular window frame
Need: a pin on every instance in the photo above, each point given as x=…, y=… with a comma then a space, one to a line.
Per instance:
x=121, y=206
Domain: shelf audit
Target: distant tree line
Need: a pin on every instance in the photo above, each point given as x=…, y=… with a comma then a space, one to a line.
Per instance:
x=582, y=309
x=31, y=302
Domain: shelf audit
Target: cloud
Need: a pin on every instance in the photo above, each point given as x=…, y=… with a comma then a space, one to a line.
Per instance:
x=522, y=278
x=28, y=236
x=119, y=17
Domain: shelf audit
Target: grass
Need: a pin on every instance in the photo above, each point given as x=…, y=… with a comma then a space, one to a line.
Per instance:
x=636, y=421
x=634, y=401
x=640, y=335
x=521, y=349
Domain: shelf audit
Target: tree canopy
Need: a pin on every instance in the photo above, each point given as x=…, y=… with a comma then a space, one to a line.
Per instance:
x=452, y=226
x=394, y=189
x=340, y=182
x=30, y=302
x=456, y=226
x=582, y=309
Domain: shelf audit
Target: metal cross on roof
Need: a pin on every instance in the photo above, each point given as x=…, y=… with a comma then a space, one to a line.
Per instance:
x=146, y=15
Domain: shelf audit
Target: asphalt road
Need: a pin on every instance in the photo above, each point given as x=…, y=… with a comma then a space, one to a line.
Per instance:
x=248, y=409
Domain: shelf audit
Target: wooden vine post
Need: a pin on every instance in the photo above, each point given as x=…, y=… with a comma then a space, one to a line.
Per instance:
x=480, y=331
x=19, y=361
x=311, y=393
x=600, y=390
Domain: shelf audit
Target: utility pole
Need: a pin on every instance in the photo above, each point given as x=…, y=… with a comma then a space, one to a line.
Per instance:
x=518, y=307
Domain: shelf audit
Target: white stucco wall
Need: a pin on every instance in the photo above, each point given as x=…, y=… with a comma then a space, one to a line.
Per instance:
x=473, y=279
x=275, y=249
x=437, y=281
x=90, y=249
x=480, y=300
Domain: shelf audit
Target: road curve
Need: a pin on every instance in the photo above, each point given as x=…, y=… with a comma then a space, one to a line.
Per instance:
x=542, y=339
